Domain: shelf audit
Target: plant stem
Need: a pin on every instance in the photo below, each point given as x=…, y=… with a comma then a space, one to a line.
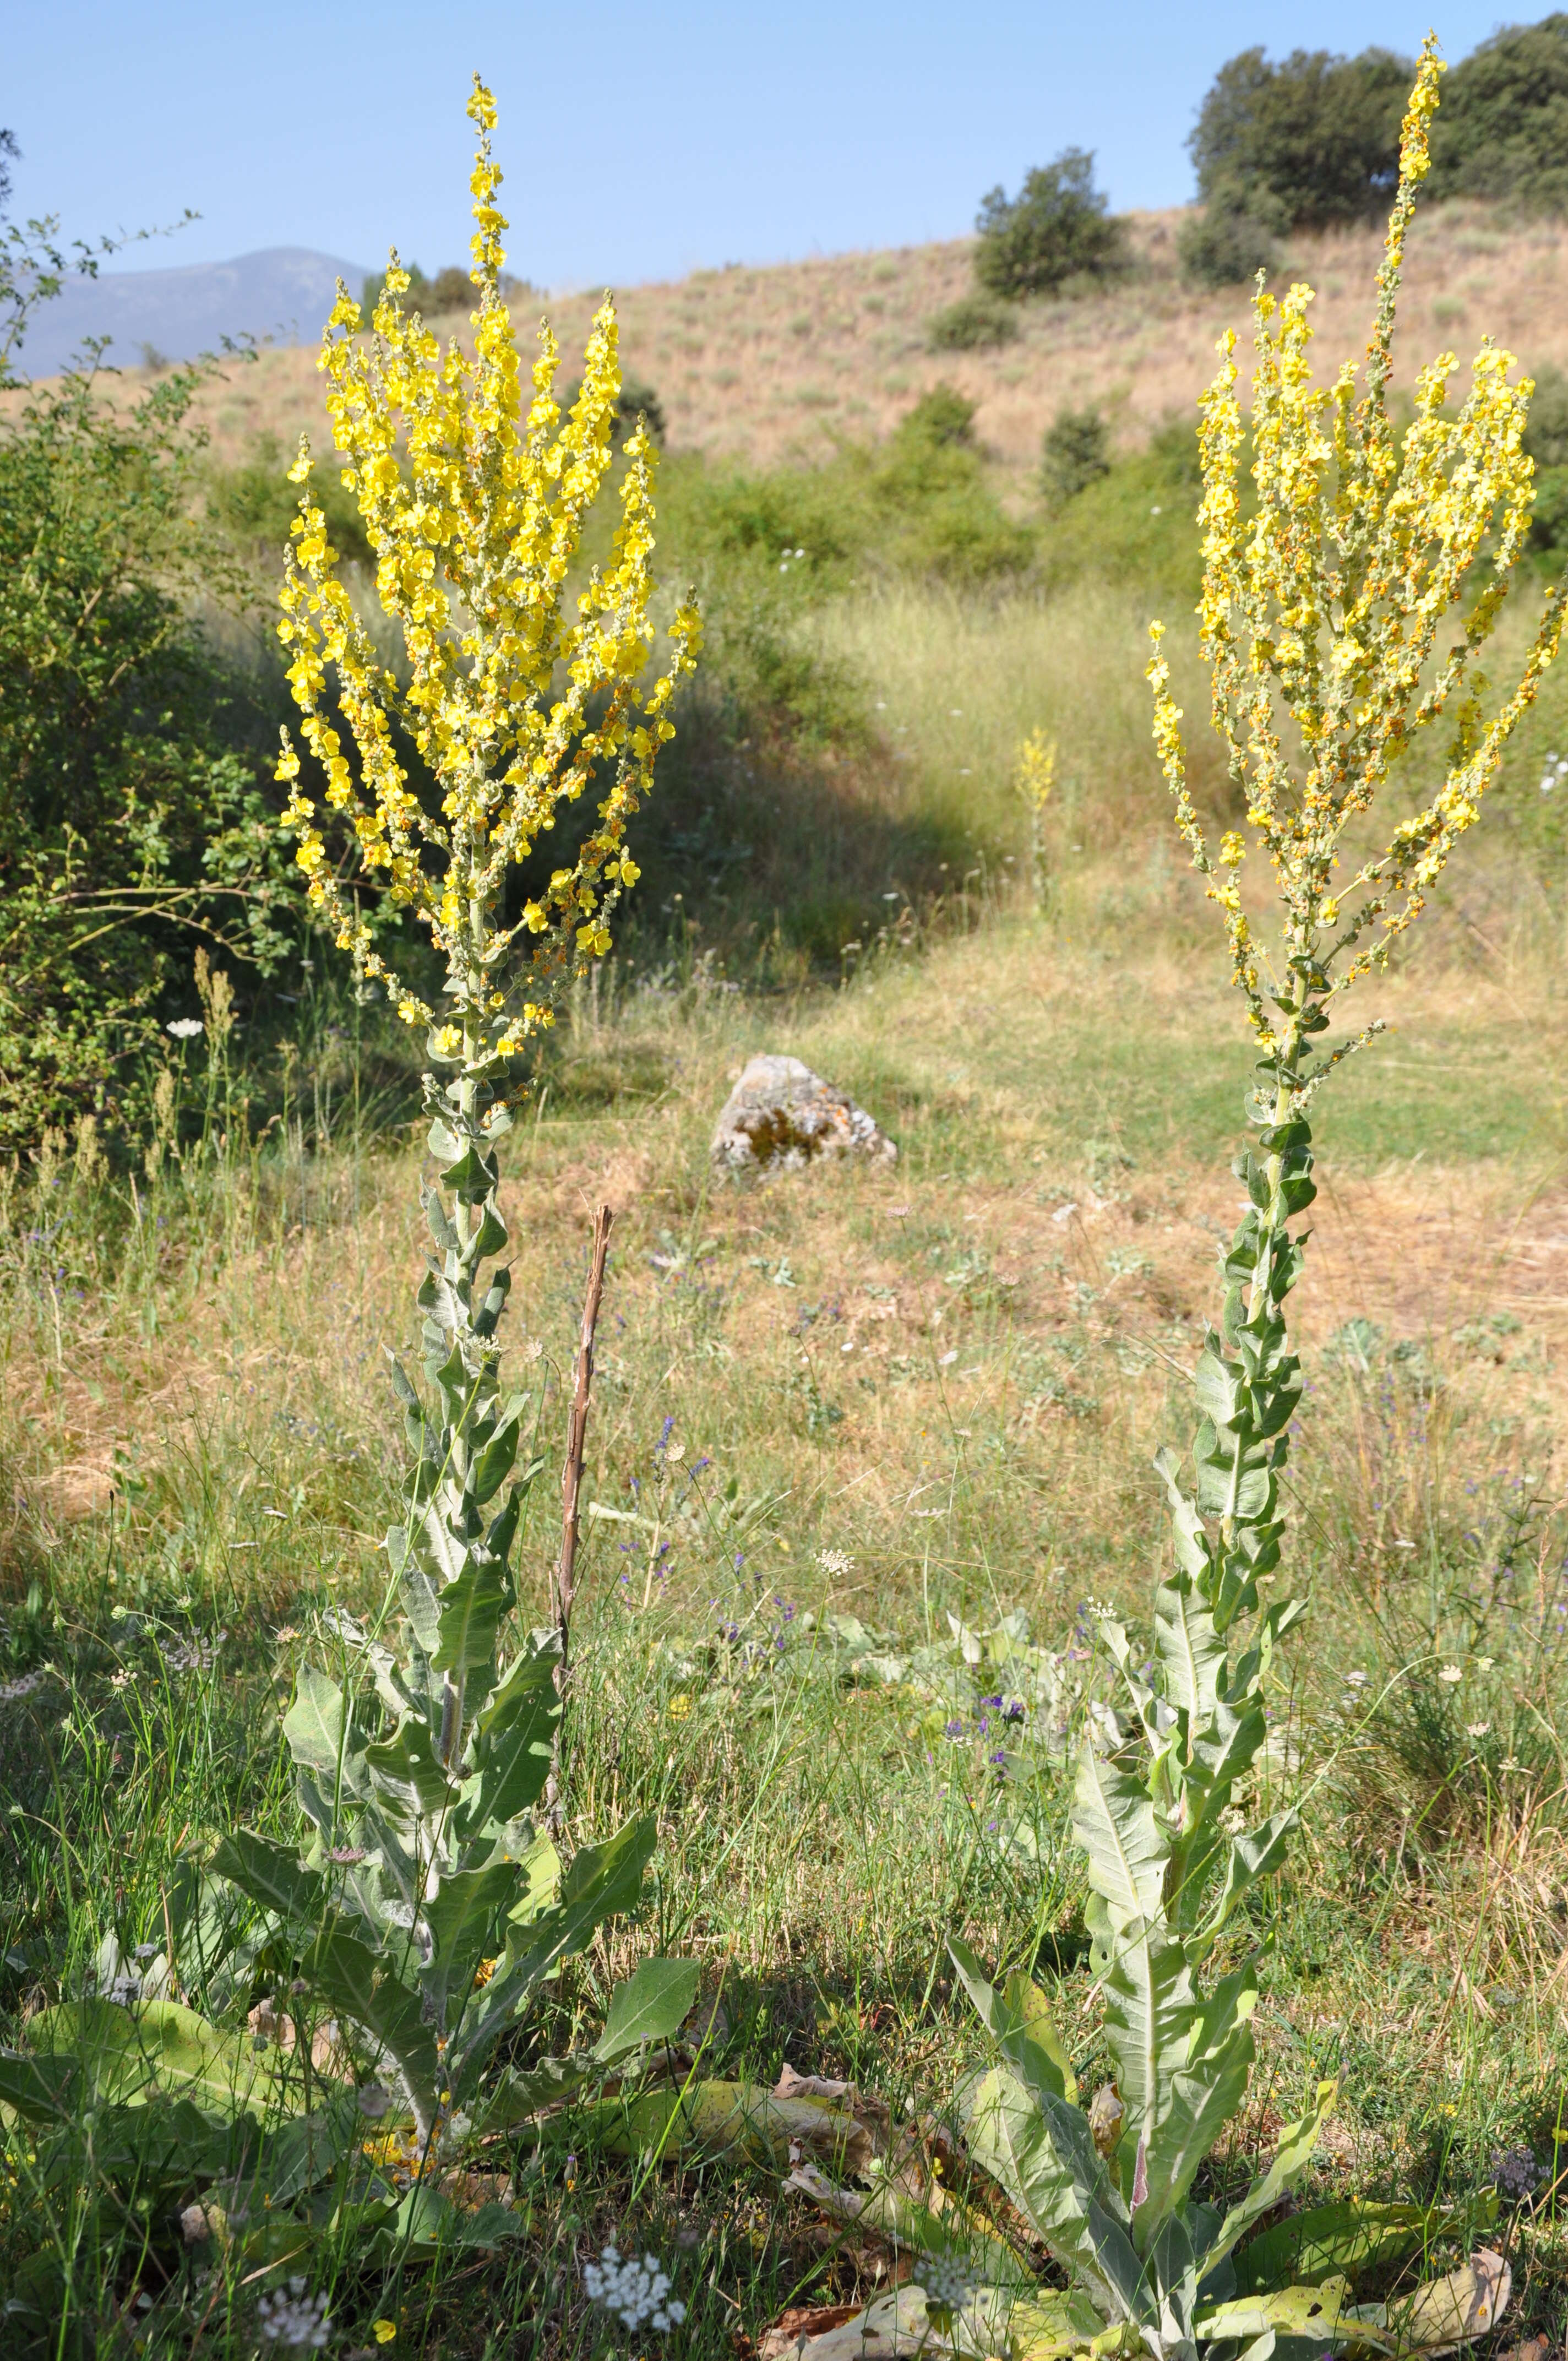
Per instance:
x=563, y=1584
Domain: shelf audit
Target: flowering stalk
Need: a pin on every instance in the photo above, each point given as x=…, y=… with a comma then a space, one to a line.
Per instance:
x=1325, y=608
x=430, y=1906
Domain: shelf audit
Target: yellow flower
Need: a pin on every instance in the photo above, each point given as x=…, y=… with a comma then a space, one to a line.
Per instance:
x=383, y=2331
x=680, y=1705
x=1324, y=611
x=1034, y=773
x=474, y=488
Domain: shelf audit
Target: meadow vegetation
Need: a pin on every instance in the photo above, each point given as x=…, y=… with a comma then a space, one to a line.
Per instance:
x=867, y=1476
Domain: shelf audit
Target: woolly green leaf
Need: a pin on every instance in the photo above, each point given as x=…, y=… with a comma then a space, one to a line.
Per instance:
x=1356, y=2236
x=408, y=1769
x=1019, y=2021
x=1113, y=1820
x=41, y=2090
x=160, y=2049
x=1190, y=1648
x=1043, y=2155
x=513, y=1740
x=272, y=1875
x=460, y=1919
x=1320, y=2313
x=1192, y=1553
x=470, y=1616
x=1291, y=2158
x=1206, y=2091
x=650, y=2006
x=365, y=1988
x=494, y=1462
x=313, y=1725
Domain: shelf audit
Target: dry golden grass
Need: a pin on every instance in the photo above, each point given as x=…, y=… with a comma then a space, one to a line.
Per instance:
x=1068, y=1251
x=768, y=363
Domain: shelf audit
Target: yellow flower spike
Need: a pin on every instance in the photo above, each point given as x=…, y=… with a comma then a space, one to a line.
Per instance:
x=474, y=493
x=1323, y=613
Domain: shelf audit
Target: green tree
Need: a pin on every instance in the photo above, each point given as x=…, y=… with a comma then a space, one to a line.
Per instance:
x=1309, y=143
x=1502, y=132
x=1076, y=453
x=1056, y=228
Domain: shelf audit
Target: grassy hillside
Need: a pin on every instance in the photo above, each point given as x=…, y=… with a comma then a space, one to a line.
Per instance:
x=763, y=364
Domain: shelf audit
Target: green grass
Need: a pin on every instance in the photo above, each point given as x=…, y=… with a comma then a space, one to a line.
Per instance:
x=1019, y=1295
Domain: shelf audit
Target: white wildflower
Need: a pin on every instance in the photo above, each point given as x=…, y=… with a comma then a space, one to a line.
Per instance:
x=636, y=2292
x=1450, y=1673
x=948, y=2284
x=835, y=1561
x=185, y=1028
x=291, y=2318
x=12, y=1692
x=1476, y=1729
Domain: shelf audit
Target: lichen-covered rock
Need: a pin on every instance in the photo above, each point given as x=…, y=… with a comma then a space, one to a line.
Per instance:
x=781, y=1115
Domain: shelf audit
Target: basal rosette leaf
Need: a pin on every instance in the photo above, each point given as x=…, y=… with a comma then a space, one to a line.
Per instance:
x=1040, y=2149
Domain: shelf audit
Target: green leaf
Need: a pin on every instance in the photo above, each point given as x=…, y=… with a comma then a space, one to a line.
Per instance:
x=1208, y=2087
x=1190, y=1648
x=408, y=1768
x=519, y=2096
x=1052, y=2323
x=494, y=1462
x=1044, y=2156
x=1113, y=1820
x=513, y=1739
x=40, y=2090
x=650, y=2006
x=163, y=2048
x=461, y=1917
x=1019, y=2021
x=602, y=1880
x=1319, y=2312
x=273, y=1876
x=1192, y=1555
x=363, y=1988
x=470, y=1616
x=1355, y=2236
x=1291, y=2158
x=315, y=1724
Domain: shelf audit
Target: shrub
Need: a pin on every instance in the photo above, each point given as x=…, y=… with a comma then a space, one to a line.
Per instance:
x=1055, y=229
x=1225, y=245
x=1075, y=454
x=635, y=401
x=254, y=505
x=972, y=325
x=130, y=810
x=1134, y=524
x=942, y=418
x=1546, y=436
x=934, y=510
x=1504, y=128
x=1305, y=144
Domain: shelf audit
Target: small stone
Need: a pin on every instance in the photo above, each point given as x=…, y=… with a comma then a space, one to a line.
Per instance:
x=780, y=1116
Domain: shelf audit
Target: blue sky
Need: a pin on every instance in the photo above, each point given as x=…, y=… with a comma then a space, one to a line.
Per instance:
x=640, y=140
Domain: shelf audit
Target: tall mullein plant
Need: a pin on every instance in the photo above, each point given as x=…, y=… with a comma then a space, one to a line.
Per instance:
x=1322, y=612
x=429, y=1904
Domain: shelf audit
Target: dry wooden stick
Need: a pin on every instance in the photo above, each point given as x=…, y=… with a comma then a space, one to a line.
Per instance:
x=564, y=1580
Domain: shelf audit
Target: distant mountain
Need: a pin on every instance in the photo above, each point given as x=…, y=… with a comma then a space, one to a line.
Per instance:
x=283, y=293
